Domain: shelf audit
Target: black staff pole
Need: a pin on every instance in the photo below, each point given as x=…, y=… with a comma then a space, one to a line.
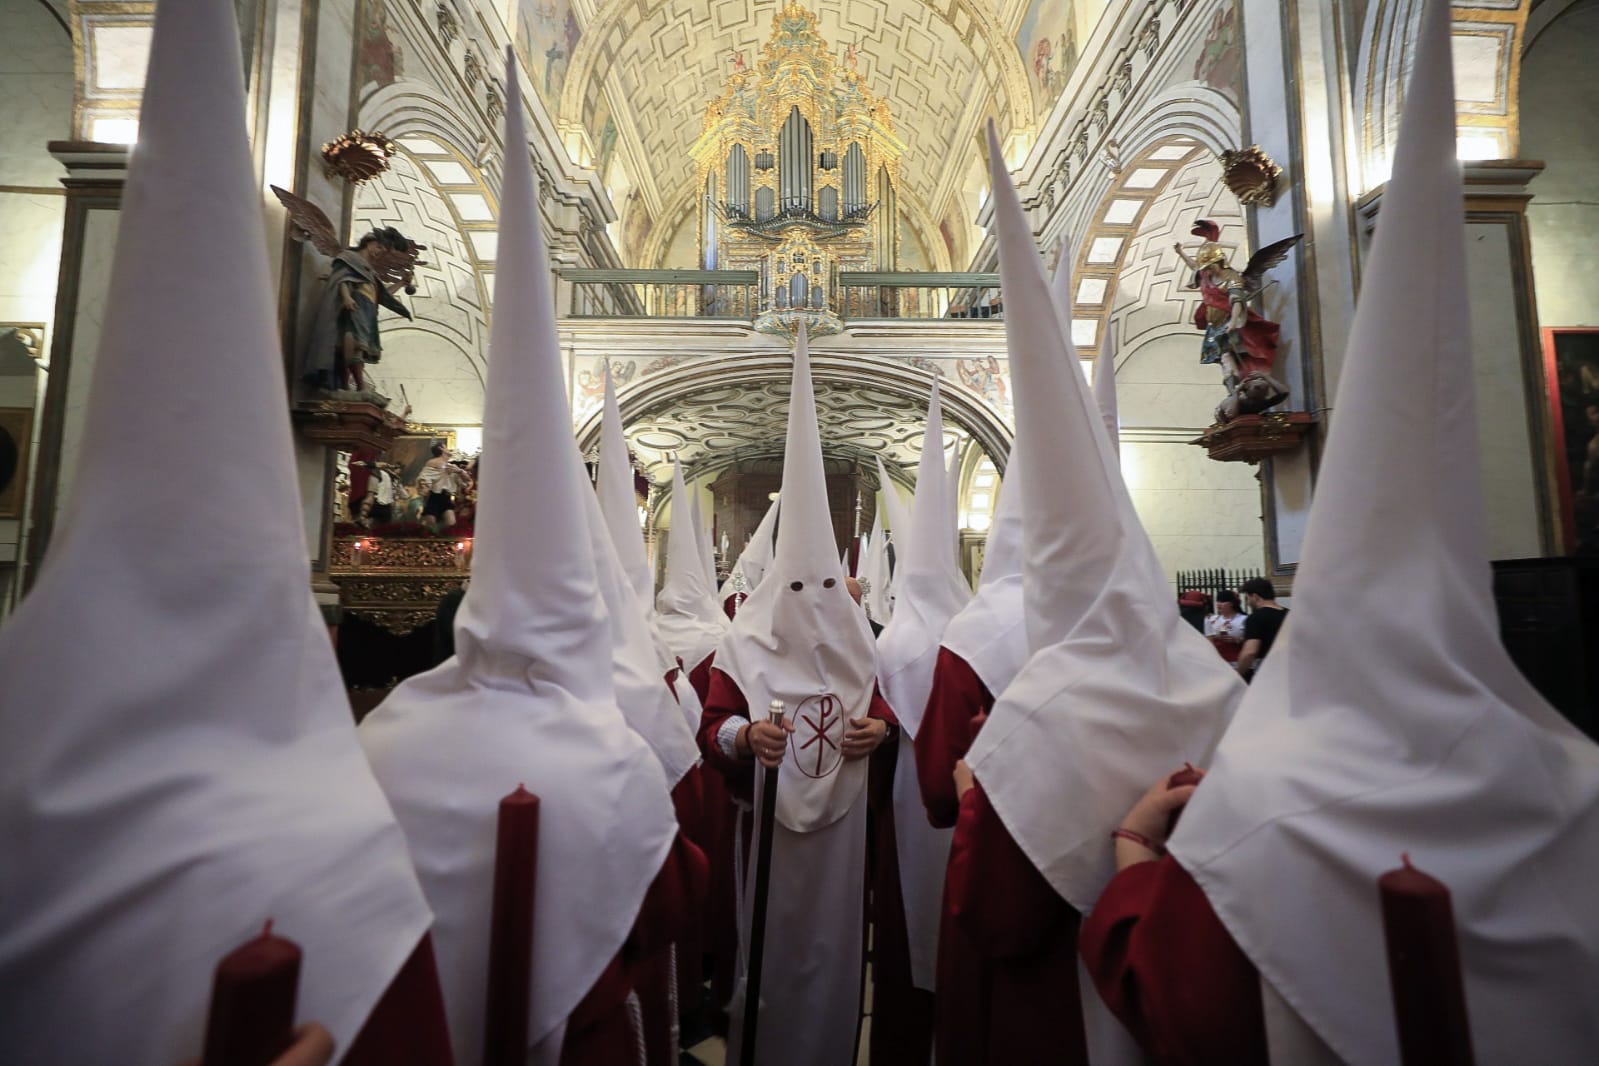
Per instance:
x=763, y=884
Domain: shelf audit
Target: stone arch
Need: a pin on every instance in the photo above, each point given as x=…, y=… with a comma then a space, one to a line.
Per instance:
x=906, y=384
x=439, y=196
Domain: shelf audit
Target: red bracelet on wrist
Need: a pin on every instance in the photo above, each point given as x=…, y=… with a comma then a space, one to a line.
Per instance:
x=1137, y=838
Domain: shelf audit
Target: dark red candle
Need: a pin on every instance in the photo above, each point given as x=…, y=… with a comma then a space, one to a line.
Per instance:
x=1429, y=993
x=251, y=1021
x=1186, y=776
x=510, y=975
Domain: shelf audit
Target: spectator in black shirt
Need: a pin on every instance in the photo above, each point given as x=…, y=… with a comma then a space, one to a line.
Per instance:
x=1266, y=617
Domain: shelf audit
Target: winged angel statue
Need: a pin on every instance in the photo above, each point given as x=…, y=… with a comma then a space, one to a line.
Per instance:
x=1242, y=341
x=344, y=335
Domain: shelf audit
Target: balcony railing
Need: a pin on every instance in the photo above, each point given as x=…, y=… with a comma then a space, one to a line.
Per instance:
x=918, y=294
x=741, y=294
x=663, y=293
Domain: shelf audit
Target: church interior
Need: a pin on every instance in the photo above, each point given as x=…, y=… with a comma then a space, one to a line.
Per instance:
x=662, y=136
x=716, y=177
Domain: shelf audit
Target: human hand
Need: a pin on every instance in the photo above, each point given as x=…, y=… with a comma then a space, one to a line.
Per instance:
x=765, y=740
x=1152, y=813
x=963, y=779
x=863, y=737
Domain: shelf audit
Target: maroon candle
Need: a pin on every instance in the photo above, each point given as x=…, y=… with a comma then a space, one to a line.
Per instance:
x=1186, y=776
x=251, y=1021
x=516, y=853
x=1429, y=993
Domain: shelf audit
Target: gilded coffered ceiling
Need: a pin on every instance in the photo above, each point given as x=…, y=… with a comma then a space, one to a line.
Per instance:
x=628, y=80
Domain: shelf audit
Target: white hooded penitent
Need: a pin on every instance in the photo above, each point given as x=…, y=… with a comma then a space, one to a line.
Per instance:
x=755, y=559
x=1105, y=390
x=688, y=617
x=929, y=591
x=874, y=569
x=618, y=501
x=529, y=697
x=180, y=762
x=989, y=633
x=1118, y=689
x=1412, y=731
x=899, y=526
x=801, y=639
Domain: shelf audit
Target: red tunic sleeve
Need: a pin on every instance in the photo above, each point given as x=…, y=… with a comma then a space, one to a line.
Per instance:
x=724, y=700
x=994, y=891
x=699, y=678
x=1166, y=966
x=958, y=697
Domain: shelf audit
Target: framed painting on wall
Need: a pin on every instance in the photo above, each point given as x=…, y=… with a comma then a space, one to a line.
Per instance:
x=1571, y=367
x=16, y=430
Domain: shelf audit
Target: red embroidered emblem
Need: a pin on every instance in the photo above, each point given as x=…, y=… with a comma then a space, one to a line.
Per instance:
x=818, y=736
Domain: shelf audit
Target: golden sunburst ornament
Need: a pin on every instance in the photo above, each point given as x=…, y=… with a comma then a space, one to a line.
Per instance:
x=358, y=156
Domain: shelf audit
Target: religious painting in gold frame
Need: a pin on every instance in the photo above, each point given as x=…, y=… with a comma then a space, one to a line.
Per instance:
x=1571, y=368
x=16, y=432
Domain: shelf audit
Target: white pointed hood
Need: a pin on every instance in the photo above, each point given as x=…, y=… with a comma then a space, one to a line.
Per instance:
x=1105, y=390
x=1118, y=689
x=618, y=501
x=990, y=633
x=529, y=696
x=1411, y=731
x=702, y=533
x=645, y=699
x=755, y=559
x=688, y=617
x=800, y=637
x=874, y=568
x=180, y=762
x=929, y=590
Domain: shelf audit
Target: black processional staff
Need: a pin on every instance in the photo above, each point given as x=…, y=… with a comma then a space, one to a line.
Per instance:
x=763, y=884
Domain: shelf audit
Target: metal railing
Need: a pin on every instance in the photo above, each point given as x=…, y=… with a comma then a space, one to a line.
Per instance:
x=1211, y=582
x=662, y=293
x=741, y=294
x=872, y=294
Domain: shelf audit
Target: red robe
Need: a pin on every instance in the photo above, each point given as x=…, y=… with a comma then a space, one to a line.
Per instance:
x=1026, y=1005
x=408, y=1024
x=1166, y=966
x=902, y=1014
x=718, y=822
x=599, y=1029
x=723, y=701
x=956, y=708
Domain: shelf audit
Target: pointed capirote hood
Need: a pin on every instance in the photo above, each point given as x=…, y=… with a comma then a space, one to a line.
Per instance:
x=1118, y=689
x=180, y=762
x=952, y=500
x=529, y=695
x=929, y=588
x=688, y=616
x=1105, y=390
x=702, y=533
x=1411, y=731
x=990, y=633
x=800, y=637
x=874, y=569
x=618, y=501
x=647, y=703
x=755, y=559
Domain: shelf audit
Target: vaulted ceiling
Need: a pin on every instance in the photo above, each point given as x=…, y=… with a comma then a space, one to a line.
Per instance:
x=629, y=80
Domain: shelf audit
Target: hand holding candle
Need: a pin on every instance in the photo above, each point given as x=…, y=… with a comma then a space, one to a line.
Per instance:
x=1429, y=994
x=251, y=1020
